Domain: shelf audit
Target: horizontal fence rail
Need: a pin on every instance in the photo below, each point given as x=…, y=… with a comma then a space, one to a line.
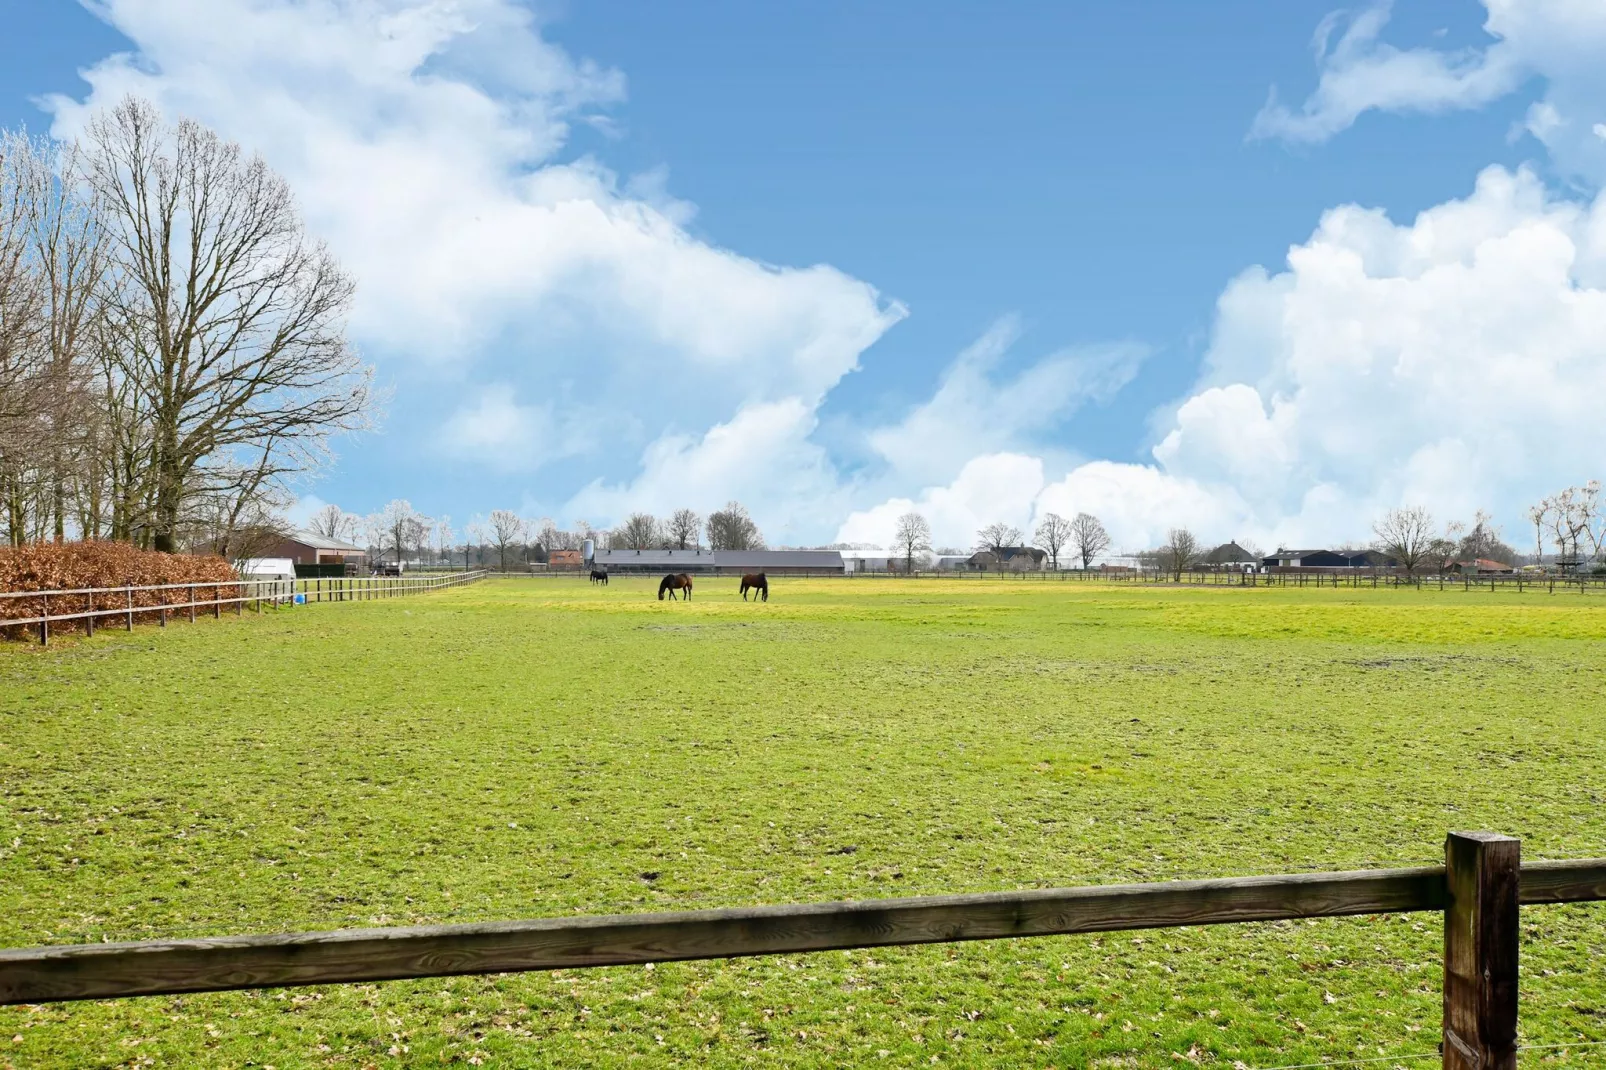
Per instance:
x=158, y=601
x=209, y=964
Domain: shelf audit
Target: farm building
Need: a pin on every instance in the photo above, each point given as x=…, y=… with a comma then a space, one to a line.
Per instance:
x=1329, y=559
x=722, y=562
x=797, y=562
x=867, y=560
x=1482, y=566
x=561, y=559
x=1007, y=559
x=310, y=548
x=1229, y=555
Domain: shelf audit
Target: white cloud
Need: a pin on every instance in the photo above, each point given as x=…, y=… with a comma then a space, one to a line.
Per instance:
x=972, y=413
x=762, y=457
x=421, y=137
x=1359, y=73
x=1561, y=41
x=994, y=487
x=1453, y=361
x=496, y=429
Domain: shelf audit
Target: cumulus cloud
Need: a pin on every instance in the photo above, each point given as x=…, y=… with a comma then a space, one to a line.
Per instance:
x=423, y=139
x=762, y=456
x=1559, y=40
x=1451, y=361
x=994, y=487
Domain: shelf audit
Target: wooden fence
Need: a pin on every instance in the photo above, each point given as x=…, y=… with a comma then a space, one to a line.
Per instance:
x=1478, y=890
x=158, y=602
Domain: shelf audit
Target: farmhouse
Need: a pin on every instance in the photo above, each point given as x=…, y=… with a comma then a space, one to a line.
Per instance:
x=310, y=548
x=1229, y=555
x=1007, y=559
x=561, y=559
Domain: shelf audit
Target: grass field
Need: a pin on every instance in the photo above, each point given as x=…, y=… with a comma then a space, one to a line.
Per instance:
x=536, y=748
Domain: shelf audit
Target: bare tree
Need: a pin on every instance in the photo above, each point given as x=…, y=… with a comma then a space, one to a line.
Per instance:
x=1180, y=551
x=913, y=536
x=685, y=527
x=638, y=532
x=23, y=328
x=1406, y=535
x=997, y=535
x=1089, y=538
x=1536, y=517
x=554, y=538
x=229, y=321
x=333, y=522
x=506, y=528
x=395, y=528
x=68, y=255
x=1053, y=534
x=731, y=528
x=444, y=536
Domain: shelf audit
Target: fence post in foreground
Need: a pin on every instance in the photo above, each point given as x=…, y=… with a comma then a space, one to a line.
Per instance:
x=44, y=619
x=89, y=621
x=129, y=591
x=1481, y=872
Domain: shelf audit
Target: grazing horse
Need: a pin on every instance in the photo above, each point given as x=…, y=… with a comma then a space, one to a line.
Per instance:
x=758, y=584
x=673, y=583
x=599, y=576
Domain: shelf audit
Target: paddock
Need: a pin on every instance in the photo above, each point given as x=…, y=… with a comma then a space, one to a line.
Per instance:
x=513, y=749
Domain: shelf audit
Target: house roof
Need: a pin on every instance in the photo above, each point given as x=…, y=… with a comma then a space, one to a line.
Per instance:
x=654, y=558
x=322, y=542
x=1227, y=553
x=754, y=559
x=778, y=558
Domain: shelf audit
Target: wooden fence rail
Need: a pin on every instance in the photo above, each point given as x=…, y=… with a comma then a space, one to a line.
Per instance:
x=158, y=601
x=1478, y=890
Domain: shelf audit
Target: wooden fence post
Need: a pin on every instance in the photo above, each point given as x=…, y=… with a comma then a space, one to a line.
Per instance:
x=129, y=591
x=44, y=620
x=1482, y=875
x=89, y=621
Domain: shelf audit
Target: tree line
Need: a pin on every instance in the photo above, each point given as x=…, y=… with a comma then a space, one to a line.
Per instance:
x=504, y=538
x=1082, y=536
x=173, y=350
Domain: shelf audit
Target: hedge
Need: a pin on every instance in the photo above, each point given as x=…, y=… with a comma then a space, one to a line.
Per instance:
x=76, y=565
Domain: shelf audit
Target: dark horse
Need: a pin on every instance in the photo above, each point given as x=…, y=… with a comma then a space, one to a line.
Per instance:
x=756, y=582
x=599, y=576
x=673, y=583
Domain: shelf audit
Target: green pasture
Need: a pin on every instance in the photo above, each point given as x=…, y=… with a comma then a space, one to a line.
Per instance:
x=541, y=747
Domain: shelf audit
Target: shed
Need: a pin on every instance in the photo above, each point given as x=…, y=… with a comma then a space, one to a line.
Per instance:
x=309, y=548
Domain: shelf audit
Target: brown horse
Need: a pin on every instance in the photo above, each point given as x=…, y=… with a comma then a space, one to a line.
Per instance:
x=758, y=584
x=673, y=583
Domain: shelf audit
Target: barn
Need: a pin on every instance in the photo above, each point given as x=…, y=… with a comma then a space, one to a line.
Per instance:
x=721, y=562
x=307, y=548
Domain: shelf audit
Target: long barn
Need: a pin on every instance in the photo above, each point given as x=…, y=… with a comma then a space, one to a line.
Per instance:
x=722, y=562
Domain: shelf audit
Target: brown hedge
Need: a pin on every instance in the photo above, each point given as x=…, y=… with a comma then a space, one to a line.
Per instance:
x=76, y=565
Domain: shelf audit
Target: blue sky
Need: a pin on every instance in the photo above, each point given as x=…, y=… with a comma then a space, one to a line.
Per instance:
x=840, y=260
